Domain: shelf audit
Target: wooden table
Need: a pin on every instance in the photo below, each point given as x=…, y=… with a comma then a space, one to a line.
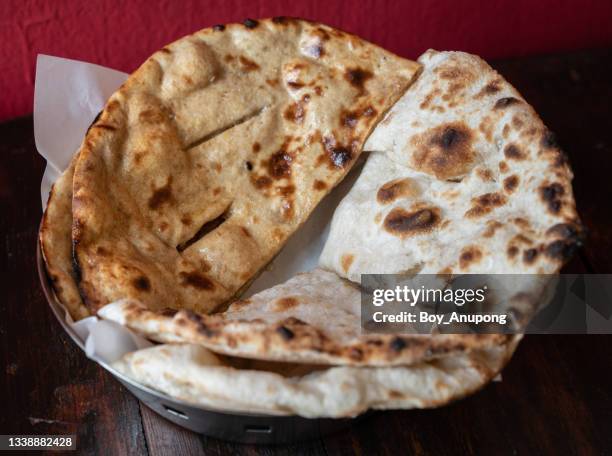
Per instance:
x=556, y=393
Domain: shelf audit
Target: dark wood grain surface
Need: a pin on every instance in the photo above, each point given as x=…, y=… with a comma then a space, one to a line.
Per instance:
x=556, y=393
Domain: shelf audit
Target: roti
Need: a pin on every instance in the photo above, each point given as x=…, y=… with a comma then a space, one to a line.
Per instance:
x=439, y=214
x=215, y=151
x=56, y=244
x=463, y=177
x=315, y=317
x=195, y=375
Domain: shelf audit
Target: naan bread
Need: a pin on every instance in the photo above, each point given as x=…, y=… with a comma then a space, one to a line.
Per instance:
x=215, y=151
x=313, y=317
x=464, y=178
x=193, y=374
x=56, y=244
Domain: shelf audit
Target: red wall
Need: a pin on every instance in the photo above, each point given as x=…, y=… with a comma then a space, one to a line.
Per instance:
x=122, y=34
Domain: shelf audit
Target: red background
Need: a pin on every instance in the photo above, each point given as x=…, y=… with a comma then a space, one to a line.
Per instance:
x=122, y=34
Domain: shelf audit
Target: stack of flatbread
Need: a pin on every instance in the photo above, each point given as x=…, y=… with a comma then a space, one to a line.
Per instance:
x=219, y=147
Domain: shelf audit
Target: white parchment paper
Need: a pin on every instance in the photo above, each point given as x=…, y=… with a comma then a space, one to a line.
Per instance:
x=68, y=95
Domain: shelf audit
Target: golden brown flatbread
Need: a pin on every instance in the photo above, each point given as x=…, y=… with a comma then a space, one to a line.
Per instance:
x=215, y=151
x=56, y=244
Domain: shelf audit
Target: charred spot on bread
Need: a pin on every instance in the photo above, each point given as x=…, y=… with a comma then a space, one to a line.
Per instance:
x=340, y=156
x=400, y=222
x=350, y=119
x=142, y=283
x=490, y=89
x=485, y=203
x=568, y=232
x=511, y=183
x=295, y=84
x=285, y=303
x=286, y=190
x=285, y=332
x=250, y=23
x=196, y=280
x=395, y=189
x=261, y=182
x=512, y=152
x=319, y=185
x=483, y=173
x=397, y=344
x=355, y=353
x=444, y=151
x=469, y=255
x=552, y=195
x=505, y=102
x=549, y=140
x=199, y=323
x=279, y=165
x=492, y=227
x=315, y=51
x=512, y=251
x=161, y=195
x=449, y=138
x=449, y=72
x=295, y=112
x=247, y=64
x=530, y=255
x=357, y=77
x=561, y=250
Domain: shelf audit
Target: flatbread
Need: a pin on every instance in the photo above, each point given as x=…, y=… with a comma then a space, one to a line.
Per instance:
x=312, y=318
x=193, y=374
x=215, y=151
x=56, y=244
x=463, y=178
x=446, y=217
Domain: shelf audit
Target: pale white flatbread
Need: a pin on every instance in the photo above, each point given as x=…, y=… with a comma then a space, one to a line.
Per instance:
x=315, y=317
x=464, y=178
x=193, y=374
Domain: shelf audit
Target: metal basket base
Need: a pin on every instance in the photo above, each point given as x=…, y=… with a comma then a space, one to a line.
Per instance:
x=254, y=429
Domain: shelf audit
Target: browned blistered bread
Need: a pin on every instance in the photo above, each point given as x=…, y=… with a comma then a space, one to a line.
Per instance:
x=315, y=317
x=215, y=151
x=56, y=244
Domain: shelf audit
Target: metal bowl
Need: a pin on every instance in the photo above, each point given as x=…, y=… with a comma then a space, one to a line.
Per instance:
x=236, y=427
